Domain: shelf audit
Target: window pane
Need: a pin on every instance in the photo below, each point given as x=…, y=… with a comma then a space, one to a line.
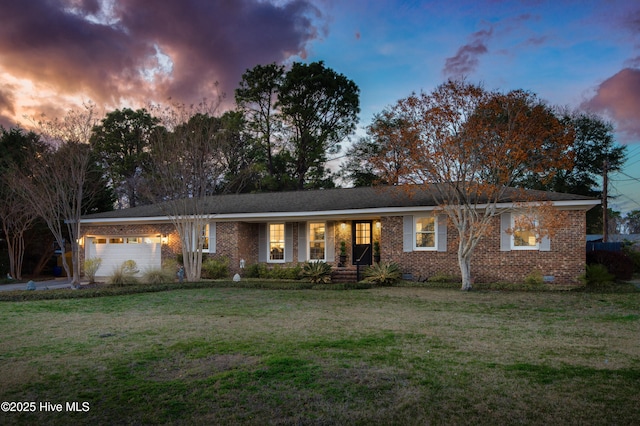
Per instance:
x=205, y=237
x=276, y=241
x=363, y=233
x=134, y=240
x=425, y=224
x=316, y=241
x=524, y=239
x=316, y=231
x=116, y=240
x=425, y=232
x=316, y=251
x=424, y=239
x=524, y=234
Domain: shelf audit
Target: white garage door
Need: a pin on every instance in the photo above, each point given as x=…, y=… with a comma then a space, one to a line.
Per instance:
x=145, y=251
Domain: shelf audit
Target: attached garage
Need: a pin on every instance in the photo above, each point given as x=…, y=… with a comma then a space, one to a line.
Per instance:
x=114, y=251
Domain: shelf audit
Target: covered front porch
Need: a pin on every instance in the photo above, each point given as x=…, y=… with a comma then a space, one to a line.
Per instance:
x=344, y=243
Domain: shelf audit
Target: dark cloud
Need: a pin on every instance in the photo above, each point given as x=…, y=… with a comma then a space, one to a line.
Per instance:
x=466, y=60
x=536, y=41
x=136, y=50
x=6, y=100
x=618, y=97
x=511, y=28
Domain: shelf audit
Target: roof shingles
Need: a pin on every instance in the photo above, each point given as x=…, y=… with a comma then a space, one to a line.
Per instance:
x=339, y=199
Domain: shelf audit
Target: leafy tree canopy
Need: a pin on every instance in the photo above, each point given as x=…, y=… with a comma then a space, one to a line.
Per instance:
x=121, y=145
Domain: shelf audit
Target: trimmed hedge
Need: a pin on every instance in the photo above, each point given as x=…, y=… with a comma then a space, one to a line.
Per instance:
x=110, y=290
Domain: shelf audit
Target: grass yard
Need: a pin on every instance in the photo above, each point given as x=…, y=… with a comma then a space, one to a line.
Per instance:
x=388, y=356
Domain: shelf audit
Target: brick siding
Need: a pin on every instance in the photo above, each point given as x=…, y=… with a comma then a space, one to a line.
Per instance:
x=239, y=240
x=565, y=262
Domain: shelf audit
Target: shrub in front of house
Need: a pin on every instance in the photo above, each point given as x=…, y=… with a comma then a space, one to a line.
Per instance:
x=616, y=262
x=383, y=273
x=125, y=274
x=215, y=268
x=535, y=280
x=158, y=276
x=597, y=277
x=254, y=270
x=317, y=272
x=285, y=272
x=91, y=266
x=276, y=272
x=444, y=278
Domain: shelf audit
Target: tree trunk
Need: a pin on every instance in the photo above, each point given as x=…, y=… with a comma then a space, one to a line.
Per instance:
x=65, y=264
x=192, y=264
x=18, y=255
x=75, y=263
x=465, y=270
x=12, y=258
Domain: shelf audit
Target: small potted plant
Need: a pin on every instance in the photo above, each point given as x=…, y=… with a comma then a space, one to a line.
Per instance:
x=376, y=251
x=343, y=253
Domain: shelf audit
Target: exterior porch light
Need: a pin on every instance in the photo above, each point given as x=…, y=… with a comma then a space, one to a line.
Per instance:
x=165, y=239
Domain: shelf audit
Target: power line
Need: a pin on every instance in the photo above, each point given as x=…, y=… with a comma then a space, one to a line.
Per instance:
x=630, y=177
x=622, y=195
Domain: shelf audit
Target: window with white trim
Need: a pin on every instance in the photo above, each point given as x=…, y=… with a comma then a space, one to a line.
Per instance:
x=523, y=237
x=276, y=242
x=205, y=239
x=317, y=241
x=425, y=233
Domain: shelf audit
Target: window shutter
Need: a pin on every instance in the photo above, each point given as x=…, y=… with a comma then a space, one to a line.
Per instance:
x=262, y=242
x=442, y=232
x=212, y=237
x=302, y=241
x=407, y=233
x=288, y=242
x=505, y=238
x=545, y=244
x=330, y=242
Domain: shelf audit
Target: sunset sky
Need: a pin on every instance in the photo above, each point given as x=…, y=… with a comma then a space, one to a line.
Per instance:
x=127, y=53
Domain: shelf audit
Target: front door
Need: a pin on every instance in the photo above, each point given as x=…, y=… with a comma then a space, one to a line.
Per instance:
x=361, y=242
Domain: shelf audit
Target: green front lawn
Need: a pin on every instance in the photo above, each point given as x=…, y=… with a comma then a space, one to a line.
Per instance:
x=379, y=356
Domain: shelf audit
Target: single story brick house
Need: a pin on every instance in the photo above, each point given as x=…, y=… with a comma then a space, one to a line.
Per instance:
x=287, y=228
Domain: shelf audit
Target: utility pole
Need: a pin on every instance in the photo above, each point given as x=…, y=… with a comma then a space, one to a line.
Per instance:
x=605, y=208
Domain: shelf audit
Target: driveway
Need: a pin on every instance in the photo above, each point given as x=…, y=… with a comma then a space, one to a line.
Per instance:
x=40, y=285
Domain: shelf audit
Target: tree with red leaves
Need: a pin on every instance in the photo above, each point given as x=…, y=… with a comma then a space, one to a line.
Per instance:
x=474, y=145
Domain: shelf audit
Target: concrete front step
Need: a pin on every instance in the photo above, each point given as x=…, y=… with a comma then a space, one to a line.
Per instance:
x=346, y=275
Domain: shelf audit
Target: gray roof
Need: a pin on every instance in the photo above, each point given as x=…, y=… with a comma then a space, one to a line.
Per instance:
x=339, y=199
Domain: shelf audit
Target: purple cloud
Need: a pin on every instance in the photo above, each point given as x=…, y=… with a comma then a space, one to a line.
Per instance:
x=619, y=98
x=466, y=60
x=137, y=51
x=6, y=101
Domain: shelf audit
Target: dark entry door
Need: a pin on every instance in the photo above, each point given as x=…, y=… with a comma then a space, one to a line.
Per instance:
x=361, y=242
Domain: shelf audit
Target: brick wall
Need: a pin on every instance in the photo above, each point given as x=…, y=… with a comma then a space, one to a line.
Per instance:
x=236, y=241
x=565, y=262
x=239, y=240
